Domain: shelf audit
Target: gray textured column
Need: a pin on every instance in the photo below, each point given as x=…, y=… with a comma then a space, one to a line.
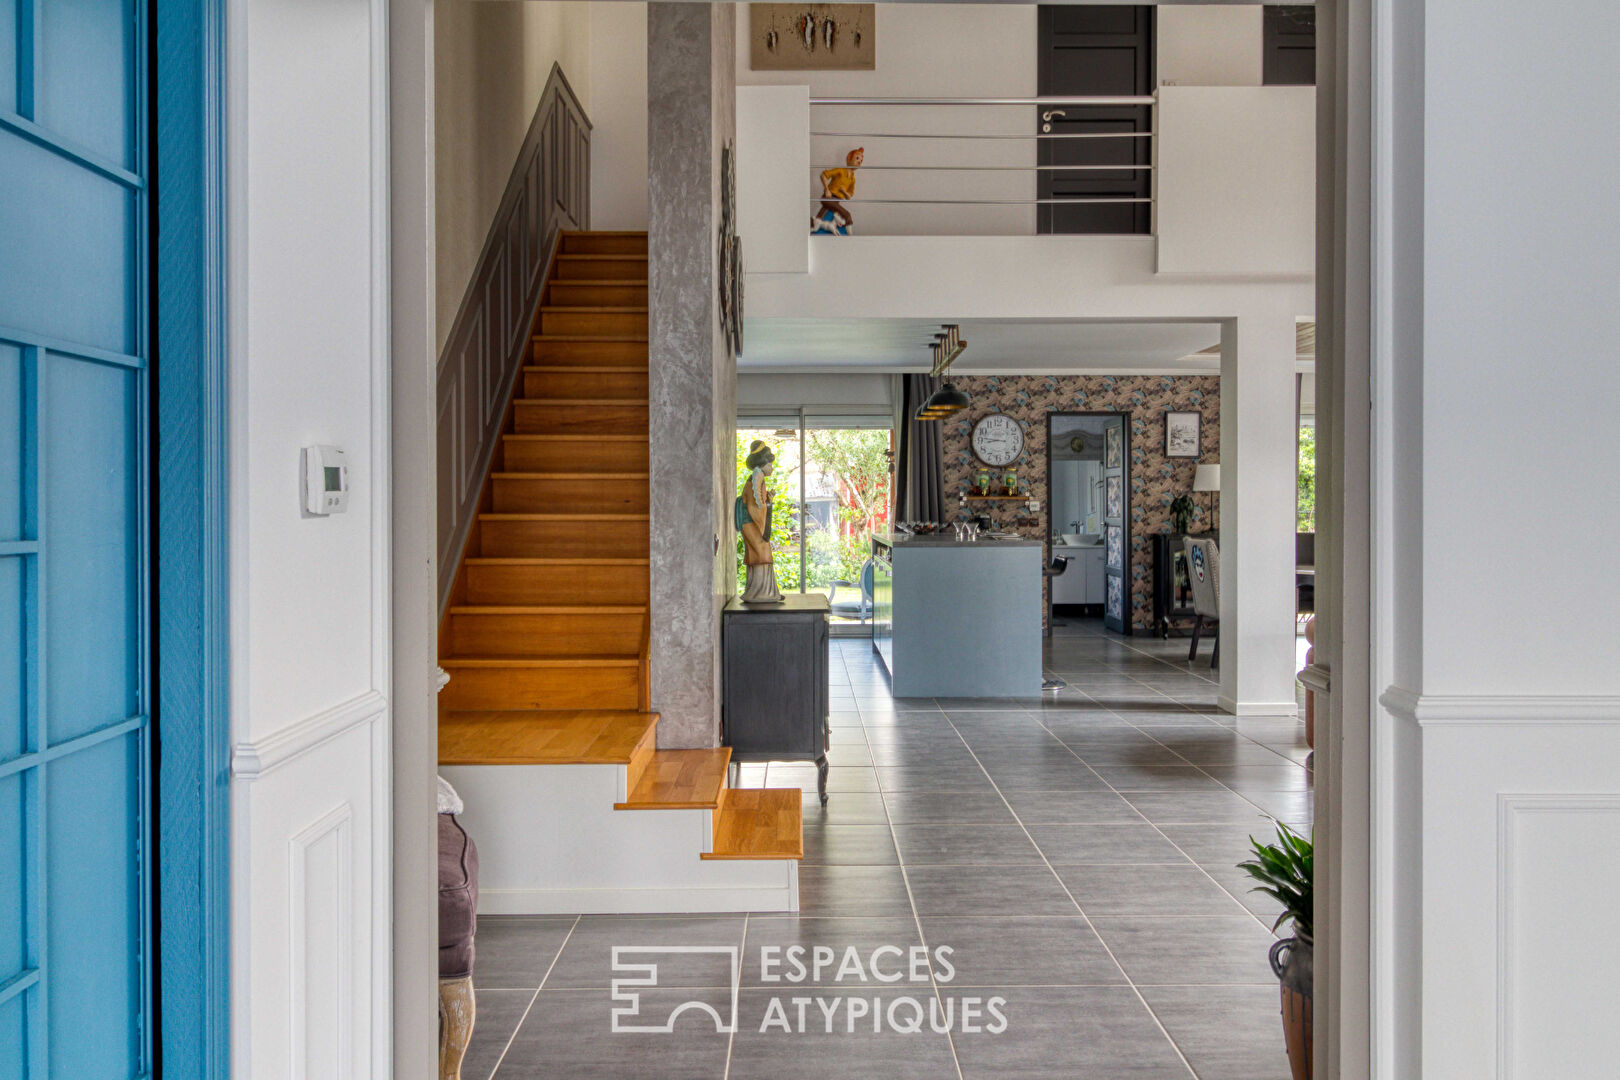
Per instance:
x=691, y=113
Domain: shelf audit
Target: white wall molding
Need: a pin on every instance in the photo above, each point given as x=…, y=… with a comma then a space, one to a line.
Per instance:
x=253, y=759
x=1432, y=710
x=1316, y=678
x=329, y=840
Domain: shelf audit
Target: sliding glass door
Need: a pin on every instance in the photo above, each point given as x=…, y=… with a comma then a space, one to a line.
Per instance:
x=832, y=492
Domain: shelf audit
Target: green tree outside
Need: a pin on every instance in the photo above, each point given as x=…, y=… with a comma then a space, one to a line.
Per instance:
x=1307, y=479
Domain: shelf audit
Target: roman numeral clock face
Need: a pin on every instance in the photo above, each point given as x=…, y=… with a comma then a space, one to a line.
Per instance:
x=998, y=440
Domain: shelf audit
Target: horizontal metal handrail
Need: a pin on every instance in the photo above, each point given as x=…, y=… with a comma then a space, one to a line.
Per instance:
x=1093, y=99
x=1061, y=200
x=989, y=168
x=924, y=135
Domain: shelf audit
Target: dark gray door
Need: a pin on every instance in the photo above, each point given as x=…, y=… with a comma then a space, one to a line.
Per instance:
x=1290, y=45
x=1096, y=49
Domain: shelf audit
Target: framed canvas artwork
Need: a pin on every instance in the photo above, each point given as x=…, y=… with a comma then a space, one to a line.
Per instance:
x=812, y=37
x=1181, y=434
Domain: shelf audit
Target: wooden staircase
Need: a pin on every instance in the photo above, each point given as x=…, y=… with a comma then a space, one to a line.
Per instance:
x=545, y=637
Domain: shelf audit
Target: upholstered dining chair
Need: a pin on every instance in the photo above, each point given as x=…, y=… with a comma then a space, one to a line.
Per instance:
x=1204, y=575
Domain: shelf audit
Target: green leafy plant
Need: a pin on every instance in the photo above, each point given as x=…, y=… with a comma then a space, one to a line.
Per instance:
x=1284, y=870
x=1307, y=480
x=1181, y=512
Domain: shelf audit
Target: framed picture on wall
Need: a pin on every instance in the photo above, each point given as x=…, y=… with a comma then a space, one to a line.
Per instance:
x=1111, y=447
x=1113, y=497
x=1182, y=432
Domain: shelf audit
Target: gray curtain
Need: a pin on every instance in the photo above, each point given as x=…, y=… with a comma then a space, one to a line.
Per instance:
x=919, y=470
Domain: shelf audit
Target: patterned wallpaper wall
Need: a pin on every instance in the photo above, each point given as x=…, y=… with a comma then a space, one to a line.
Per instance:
x=1155, y=479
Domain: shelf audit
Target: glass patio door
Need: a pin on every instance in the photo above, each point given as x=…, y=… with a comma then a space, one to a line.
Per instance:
x=75, y=782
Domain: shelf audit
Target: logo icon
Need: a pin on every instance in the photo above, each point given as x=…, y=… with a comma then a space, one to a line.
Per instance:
x=627, y=1007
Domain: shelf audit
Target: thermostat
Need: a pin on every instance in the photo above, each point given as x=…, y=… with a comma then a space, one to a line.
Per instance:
x=326, y=480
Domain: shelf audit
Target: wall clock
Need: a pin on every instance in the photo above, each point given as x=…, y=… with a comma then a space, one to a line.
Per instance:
x=997, y=440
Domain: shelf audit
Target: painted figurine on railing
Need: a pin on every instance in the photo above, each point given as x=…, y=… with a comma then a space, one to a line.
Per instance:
x=834, y=217
x=752, y=515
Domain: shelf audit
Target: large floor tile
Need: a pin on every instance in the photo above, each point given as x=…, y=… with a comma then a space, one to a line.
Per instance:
x=497, y=1015
x=849, y=808
x=1054, y=775
x=811, y=933
x=831, y=1046
x=853, y=890
x=1018, y=951
x=1135, y=843
x=1146, y=890
x=849, y=845
x=987, y=890
x=1182, y=950
x=1071, y=807
x=1085, y=1033
x=587, y=959
x=1226, y=1032
x=1156, y=778
x=964, y=845
x=947, y=808
x=964, y=777
x=569, y=1033
x=515, y=951
x=1195, y=807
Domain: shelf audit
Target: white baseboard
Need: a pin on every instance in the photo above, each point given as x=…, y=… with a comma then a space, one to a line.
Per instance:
x=1258, y=708
x=634, y=901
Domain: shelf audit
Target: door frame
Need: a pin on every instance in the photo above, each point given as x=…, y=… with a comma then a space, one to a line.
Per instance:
x=190, y=533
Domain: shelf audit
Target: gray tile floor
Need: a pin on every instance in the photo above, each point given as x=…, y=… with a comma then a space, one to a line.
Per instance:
x=1076, y=853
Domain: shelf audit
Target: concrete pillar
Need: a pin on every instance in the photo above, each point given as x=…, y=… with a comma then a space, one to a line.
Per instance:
x=1257, y=514
x=691, y=115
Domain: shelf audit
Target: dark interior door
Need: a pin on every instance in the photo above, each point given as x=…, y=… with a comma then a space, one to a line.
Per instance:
x=1096, y=49
x=1290, y=45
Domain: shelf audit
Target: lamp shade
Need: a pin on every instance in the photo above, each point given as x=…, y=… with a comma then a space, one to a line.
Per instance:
x=1207, y=478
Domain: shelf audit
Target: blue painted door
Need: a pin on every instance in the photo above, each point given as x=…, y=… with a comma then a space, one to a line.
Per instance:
x=75, y=969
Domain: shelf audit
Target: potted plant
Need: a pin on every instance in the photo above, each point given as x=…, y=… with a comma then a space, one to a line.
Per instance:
x=1284, y=872
x=1181, y=510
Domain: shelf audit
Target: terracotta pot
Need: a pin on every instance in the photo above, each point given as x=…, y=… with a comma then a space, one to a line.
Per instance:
x=1292, y=961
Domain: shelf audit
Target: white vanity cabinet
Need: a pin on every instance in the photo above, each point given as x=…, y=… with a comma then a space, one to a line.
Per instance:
x=1082, y=582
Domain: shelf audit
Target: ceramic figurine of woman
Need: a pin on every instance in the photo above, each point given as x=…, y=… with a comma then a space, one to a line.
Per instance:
x=836, y=185
x=753, y=518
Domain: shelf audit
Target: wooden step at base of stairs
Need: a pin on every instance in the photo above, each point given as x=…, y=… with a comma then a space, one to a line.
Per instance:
x=553, y=737
x=569, y=493
x=589, y=321
x=556, y=350
x=617, y=267
x=563, y=536
x=566, y=682
x=603, y=630
x=572, y=381
x=575, y=416
x=557, y=581
x=758, y=823
x=603, y=242
x=597, y=293
x=680, y=780
x=574, y=453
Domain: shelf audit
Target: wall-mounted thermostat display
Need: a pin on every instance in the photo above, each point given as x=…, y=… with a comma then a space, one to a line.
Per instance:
x=326, y=480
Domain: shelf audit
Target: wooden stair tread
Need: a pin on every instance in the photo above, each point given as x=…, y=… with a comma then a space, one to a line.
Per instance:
x=625, y=660
x=570, y=475
x=547, y=609
x=600, y=255
x=534, y=737
x=579, y=401
x=537, y=560
x=758, y=823
x=680, y=780
x=614, y=309
x=583, y=369
x=641, y=338
x=605, y=516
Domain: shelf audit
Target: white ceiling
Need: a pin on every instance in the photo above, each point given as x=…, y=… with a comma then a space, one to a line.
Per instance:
x=1024, y=347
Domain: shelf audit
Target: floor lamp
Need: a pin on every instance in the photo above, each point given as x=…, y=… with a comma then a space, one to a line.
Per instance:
x=1207, y=478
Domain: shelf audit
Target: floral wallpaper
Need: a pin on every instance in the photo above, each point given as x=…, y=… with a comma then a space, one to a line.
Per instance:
x=1155, y=479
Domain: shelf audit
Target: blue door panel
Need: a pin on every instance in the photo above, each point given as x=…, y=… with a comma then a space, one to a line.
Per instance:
x=93, y=939
x=87, y=75
x=92, y=563
x=70, y=271
x=75, y=614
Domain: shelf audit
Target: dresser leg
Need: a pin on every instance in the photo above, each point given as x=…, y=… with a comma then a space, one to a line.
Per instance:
x=821, y=778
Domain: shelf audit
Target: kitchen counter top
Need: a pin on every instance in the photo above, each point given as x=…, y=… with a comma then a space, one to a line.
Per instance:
x=948, y=539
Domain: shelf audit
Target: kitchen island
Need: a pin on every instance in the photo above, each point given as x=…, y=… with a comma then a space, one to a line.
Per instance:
x=958, y=619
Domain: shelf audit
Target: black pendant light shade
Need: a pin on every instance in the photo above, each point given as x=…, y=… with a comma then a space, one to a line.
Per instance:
x=947, y=400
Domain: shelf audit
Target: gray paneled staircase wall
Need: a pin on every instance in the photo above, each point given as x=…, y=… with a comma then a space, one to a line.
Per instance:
x=549, y=191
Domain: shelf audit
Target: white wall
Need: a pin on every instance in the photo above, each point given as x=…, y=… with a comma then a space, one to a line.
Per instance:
x=773, y=158
x=944, y=50
x=829, y=390
x=1210, y=44
x=1495, y=308
x=618, y=113
x=1236, y=191
x=491, y=62
x=309, y=597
